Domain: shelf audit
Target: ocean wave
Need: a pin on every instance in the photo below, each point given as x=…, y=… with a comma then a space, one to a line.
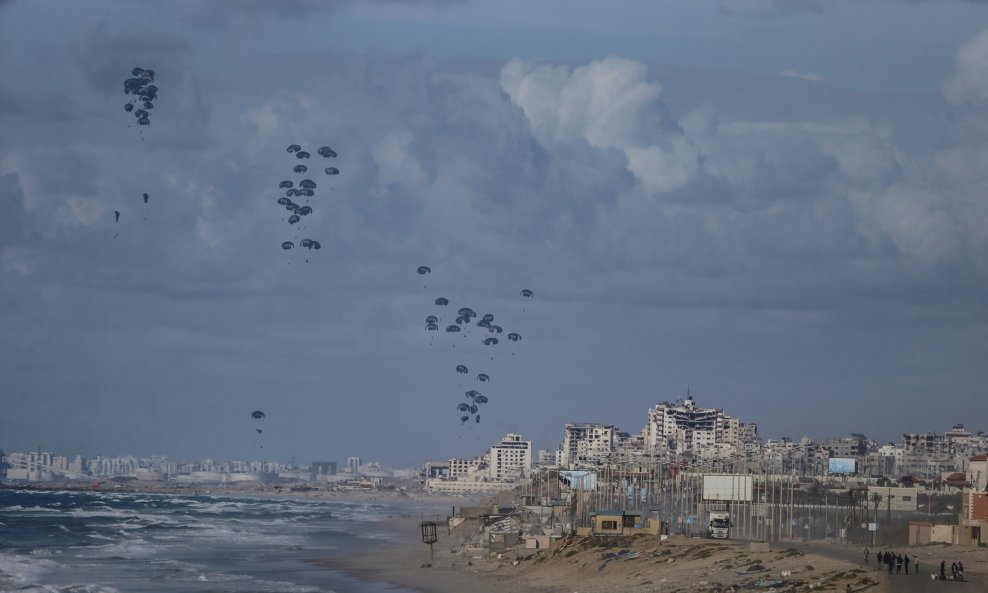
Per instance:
x=24, y=570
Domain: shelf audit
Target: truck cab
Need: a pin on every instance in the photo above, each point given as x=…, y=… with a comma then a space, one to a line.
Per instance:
x=719, y=525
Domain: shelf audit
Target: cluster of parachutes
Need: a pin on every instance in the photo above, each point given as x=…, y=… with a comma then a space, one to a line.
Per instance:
x=302, y=190
x=466, y=319
x=141, y=86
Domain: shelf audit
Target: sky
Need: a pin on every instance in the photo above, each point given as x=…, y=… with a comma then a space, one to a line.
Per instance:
x=778, y=205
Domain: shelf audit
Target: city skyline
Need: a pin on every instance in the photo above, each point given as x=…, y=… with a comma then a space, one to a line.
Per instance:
x=780, y=204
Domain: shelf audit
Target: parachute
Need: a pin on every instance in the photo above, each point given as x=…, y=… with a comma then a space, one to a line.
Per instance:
x=294, y=189
x=332, y=171
x=483, y=377
x=472, y=394
x=431, y=319
x=480, y=399
x=463, y=419
x=431, y=327
x=462, y=369
x=145, y=198
x=116, y=216
x=526, y=293
x=474, y=408
x=487, y=318
x=141, y=86
x=326, y=152
x=258, y=415
x=490, y=341
x=463, y=407
x=452, y=329
x=495, y=329
x=515, y=337
x=442, y=302
x=422, y=271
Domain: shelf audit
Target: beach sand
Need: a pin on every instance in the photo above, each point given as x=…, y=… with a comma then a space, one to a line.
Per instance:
x=634, y=565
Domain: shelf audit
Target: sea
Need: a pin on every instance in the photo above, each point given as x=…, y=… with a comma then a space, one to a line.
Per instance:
x=108, y=542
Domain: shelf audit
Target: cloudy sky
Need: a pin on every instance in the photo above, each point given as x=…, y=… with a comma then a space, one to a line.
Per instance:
x=781, y=204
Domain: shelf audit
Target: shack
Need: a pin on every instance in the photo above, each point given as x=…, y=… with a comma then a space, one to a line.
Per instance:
x=612, y=523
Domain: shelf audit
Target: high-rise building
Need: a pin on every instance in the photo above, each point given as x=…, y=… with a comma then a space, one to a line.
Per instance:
x=511, y=458
x=587, y=444
x=684, y=427
x=353, y=465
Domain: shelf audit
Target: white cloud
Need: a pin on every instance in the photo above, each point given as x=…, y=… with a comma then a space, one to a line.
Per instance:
x=969, y=83
x=609, y=104
x=801, y=75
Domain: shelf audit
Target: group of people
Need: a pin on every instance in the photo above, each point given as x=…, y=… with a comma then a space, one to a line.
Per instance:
x=956, y=571
x=894, y=562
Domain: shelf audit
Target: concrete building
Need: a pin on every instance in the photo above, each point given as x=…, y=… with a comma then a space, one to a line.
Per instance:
x=977, y=472
x=683, y=427
x=353, y=465
x=587, y=444
x=511, y=459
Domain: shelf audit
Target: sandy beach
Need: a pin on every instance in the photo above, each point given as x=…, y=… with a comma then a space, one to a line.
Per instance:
x=641, y=564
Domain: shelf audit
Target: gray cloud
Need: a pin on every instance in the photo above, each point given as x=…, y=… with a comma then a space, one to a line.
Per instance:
x=227, y=12
x=768, y=245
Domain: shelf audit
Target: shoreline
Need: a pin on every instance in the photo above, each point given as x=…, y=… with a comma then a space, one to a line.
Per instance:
x=632, y=565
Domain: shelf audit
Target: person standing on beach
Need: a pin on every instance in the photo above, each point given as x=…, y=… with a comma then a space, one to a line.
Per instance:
x=898, y=564
x=866, y=552
x=943, y=570
x=890, y=560
x=905, y=561
x=916, y=563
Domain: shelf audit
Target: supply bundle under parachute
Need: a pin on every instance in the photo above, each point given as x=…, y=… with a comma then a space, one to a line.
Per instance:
x=304, y=189
x=140, y=86
x=466, y=321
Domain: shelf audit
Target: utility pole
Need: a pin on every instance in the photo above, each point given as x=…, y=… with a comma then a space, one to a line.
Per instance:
x=875, y=498
x=888, y=511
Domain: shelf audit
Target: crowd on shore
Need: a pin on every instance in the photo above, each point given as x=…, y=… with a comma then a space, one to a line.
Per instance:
x=899, y=564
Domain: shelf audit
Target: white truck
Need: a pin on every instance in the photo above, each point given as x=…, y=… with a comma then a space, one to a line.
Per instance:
x=718, y=524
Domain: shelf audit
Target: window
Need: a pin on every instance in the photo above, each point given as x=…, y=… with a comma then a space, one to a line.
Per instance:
x=608, y=525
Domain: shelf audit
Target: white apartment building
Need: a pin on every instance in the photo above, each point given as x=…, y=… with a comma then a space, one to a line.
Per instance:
x=510, y=459
x=463, y=468
x=683, y=427
x=587, y=444
x=549, y=458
